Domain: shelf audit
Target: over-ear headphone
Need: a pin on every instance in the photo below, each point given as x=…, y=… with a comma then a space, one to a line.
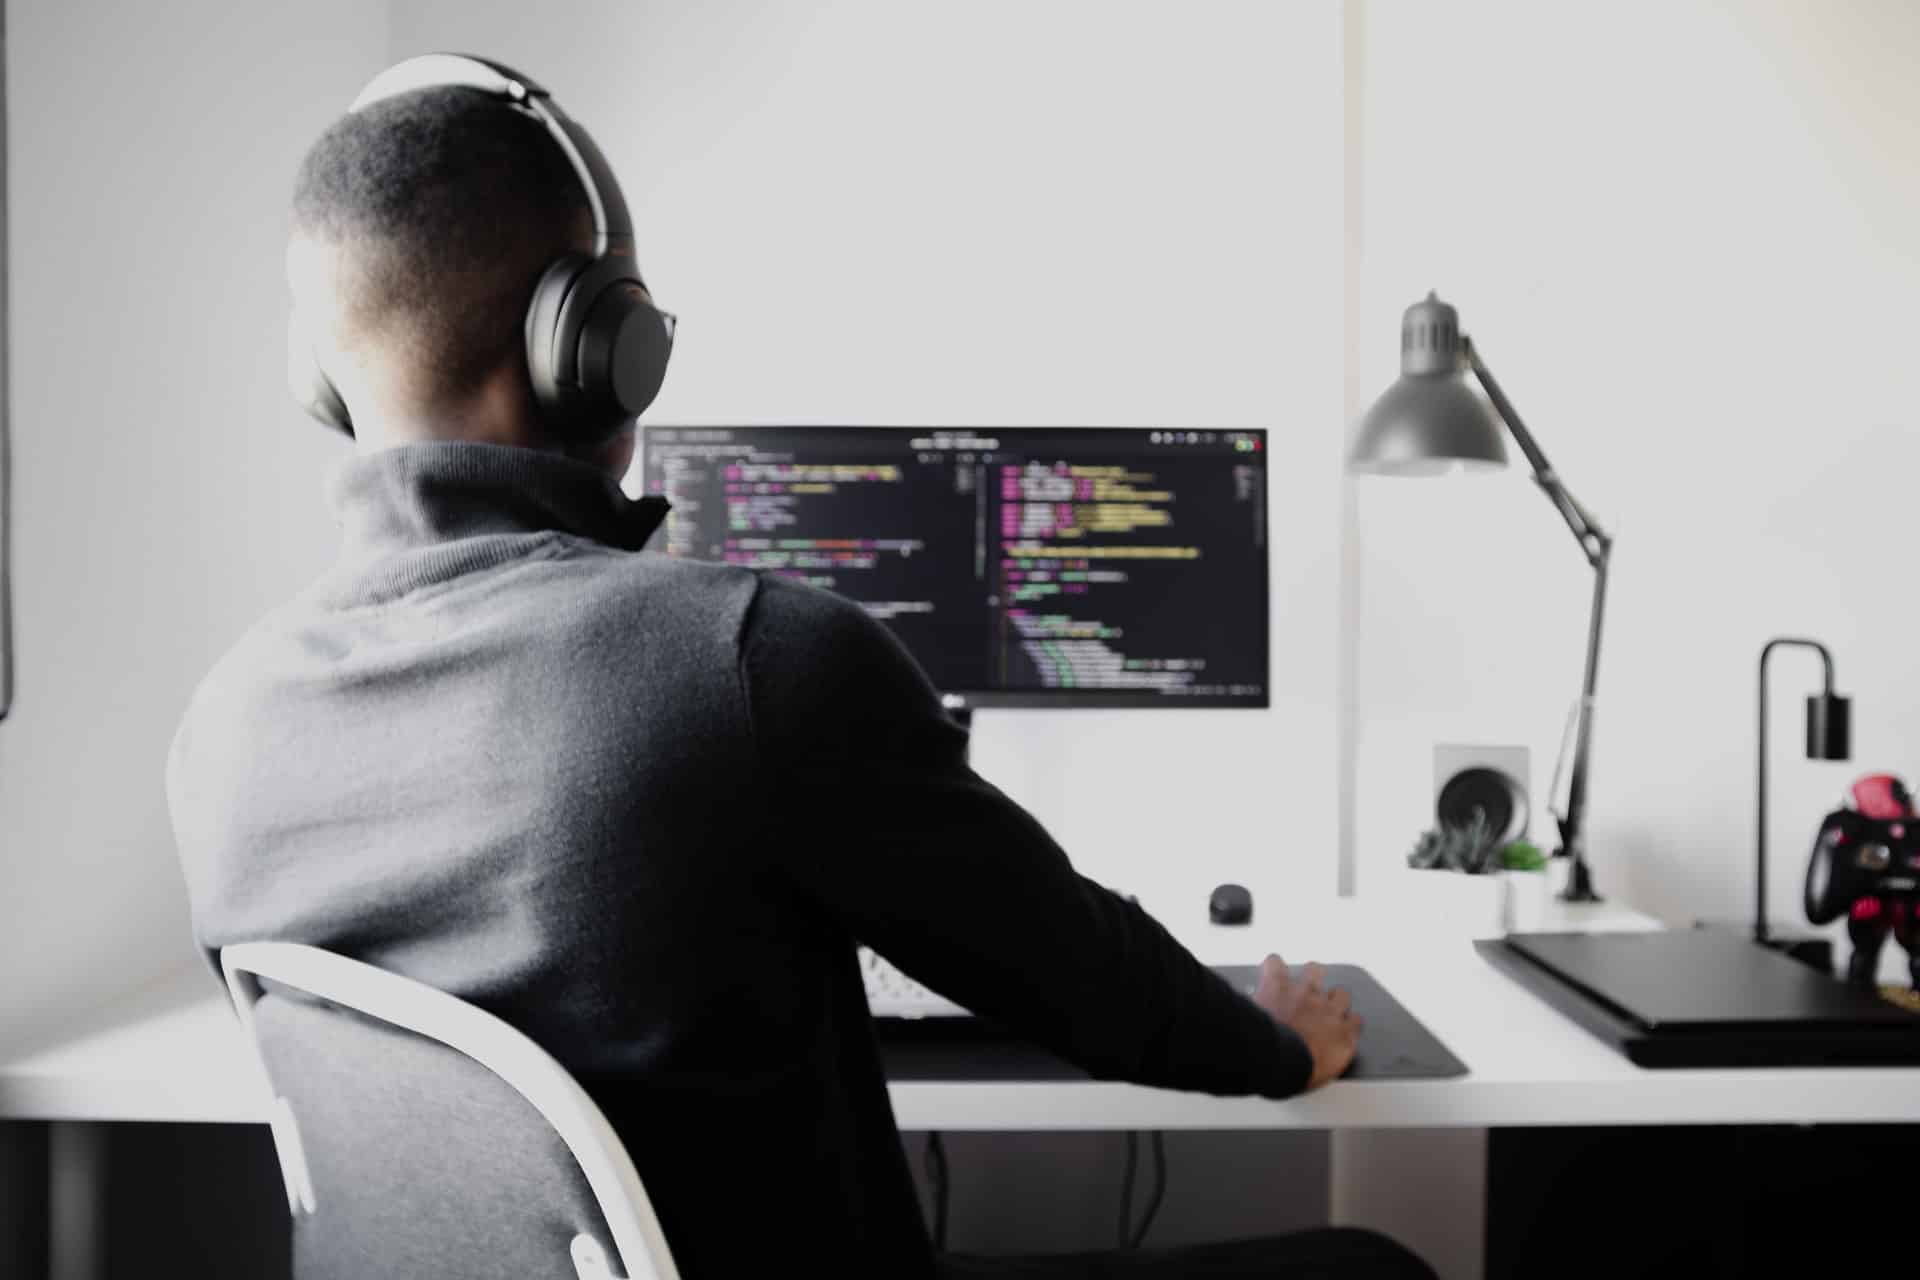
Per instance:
x=597, y=349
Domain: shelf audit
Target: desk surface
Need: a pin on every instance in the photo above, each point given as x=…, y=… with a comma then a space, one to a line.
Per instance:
x=1528, y=1065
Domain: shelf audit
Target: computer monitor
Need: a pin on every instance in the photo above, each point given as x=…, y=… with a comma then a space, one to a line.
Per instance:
x=1022, y=567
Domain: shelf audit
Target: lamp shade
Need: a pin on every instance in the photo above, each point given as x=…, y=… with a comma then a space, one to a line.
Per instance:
x=1829, y=727
x=1431, y=420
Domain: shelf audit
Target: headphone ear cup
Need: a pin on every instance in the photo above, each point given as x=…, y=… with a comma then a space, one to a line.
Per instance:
x=312, y=389
x=597, y=350
x=624, y=348
x=550, y=390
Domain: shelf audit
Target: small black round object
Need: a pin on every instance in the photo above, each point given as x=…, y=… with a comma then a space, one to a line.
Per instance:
x=1495, y=795
x=1230, y=904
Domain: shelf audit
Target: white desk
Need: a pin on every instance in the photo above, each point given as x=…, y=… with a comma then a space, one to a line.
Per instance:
x=1528, y=1065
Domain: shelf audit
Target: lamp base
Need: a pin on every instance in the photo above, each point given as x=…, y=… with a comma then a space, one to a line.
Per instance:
x=1579, y=887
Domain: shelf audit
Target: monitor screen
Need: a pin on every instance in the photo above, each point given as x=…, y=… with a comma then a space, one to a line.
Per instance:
x=1029, y=566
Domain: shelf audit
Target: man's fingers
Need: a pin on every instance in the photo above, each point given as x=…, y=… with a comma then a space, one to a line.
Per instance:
x=1271, y=991
x=1273, y=975
x=1316, y=977
x=1358, y=1025
x=1339, y=1000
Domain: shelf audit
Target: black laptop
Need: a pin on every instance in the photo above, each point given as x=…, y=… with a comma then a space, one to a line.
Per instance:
x=1707, y=998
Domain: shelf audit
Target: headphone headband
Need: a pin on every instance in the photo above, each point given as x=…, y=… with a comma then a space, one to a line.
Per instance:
x=612, y=227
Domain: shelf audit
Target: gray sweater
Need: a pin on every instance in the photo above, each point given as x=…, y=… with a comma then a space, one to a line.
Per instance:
x=643, y=808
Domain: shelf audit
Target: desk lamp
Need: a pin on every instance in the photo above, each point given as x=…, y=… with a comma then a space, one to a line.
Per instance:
x=1829, y=725
x=1431, y=422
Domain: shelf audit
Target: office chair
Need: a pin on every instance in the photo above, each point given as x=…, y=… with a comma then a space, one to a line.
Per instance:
x=421, y=1136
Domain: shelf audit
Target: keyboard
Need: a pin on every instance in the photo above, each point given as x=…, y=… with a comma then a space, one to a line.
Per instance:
x=892, y=994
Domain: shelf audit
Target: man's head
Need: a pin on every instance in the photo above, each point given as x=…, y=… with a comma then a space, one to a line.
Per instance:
x=421, y=224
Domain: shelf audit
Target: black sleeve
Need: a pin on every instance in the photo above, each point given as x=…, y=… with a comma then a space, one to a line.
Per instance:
x=879, y=819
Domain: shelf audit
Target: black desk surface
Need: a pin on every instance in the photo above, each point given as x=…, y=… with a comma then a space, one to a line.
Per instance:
x=1394, y=1047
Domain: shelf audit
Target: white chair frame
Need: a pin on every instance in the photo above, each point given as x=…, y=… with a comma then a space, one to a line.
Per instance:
x=640, y=1245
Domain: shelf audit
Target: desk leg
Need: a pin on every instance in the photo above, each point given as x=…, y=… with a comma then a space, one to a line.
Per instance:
x=76, y=1200
x=23, y=1198
x=1426, y=1188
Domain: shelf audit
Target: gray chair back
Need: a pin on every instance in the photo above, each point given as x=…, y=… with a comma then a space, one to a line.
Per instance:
x=422, y=1137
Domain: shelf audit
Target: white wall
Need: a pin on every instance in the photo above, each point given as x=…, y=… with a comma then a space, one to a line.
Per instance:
x=1687, y=239
x=1008, y=213
x=165, y=493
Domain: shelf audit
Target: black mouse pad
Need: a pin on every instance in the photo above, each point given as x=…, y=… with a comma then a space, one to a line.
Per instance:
x=1394, y=1047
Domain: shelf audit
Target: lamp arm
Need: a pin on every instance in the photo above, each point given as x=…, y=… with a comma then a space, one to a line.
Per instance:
x=1594, y=541
x=1597, y=545
x=1573, y=822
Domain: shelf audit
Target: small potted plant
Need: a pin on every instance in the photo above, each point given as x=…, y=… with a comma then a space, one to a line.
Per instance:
x=1498, y=887
x=1524, y=871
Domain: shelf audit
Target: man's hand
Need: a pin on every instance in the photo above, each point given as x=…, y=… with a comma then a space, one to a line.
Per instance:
x=1324, y=1019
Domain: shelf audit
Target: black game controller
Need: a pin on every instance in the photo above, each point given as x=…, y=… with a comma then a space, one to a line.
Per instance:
x=1866, y=866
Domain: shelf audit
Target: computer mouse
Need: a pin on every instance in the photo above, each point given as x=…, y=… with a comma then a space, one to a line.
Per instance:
x=1230, y=904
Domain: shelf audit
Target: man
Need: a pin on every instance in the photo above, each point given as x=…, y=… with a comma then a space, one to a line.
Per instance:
x=641, y=808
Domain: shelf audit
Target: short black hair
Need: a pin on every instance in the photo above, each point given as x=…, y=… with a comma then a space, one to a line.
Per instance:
x=449, y=204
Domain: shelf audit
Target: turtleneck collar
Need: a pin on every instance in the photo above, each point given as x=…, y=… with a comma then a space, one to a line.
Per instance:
x=422, y=513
